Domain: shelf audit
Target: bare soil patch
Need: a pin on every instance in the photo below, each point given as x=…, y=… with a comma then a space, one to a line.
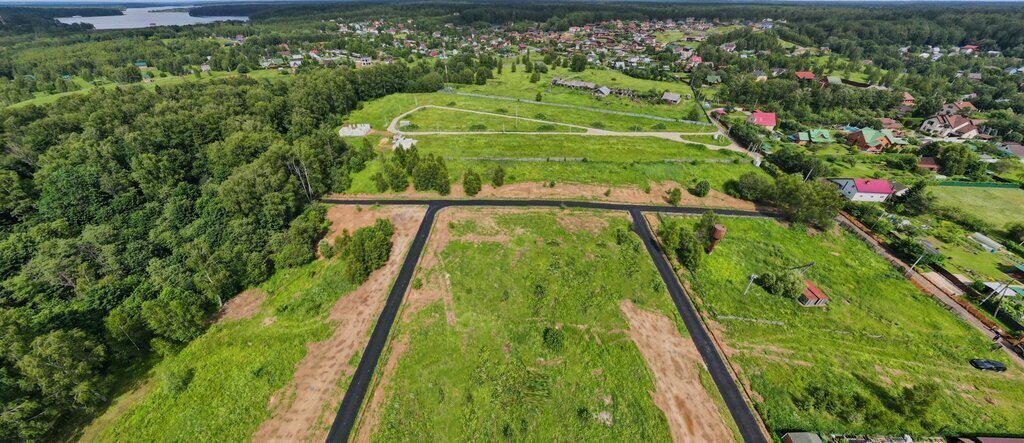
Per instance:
x=242, y=306
x=298, y=411
x=674, y=360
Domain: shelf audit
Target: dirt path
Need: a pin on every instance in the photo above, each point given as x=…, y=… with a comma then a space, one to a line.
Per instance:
x=569, y=191
x=691, y=412
x=587, y=131
x=303, y=410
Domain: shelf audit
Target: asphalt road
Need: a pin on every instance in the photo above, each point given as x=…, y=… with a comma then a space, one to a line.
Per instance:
x=348, y=413
x=749, y=427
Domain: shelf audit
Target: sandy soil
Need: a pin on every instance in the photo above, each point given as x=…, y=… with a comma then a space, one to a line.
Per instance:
x=242, y=306
x=302, y=411
x=691, y=412
x=573, y=191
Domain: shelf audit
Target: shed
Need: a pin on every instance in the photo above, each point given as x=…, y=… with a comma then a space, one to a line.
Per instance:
x=812, y=296
x=671, y=98
x=801, y=437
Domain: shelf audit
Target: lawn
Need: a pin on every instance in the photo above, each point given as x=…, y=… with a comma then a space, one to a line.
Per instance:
x=233, y=369
x=517, y=85
x=844, y=368
x=379, y=113
x=721, y=140
x=613, y=161
x=998, y=206
x=448, y=120
x=529, y=342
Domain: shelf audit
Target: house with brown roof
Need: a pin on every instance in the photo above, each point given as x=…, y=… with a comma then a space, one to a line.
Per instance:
x=908, y=100
x=929, y=163
x=956, y=108
x=1014, y=149
x=950, y=125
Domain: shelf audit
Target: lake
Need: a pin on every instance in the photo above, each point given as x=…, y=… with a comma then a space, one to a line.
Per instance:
x=145, y=17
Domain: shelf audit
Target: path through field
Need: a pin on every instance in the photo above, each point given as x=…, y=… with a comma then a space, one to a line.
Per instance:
x=673, y=136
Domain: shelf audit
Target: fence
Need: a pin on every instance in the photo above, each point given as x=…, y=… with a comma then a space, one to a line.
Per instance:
x=978, y=185
x=582, y=108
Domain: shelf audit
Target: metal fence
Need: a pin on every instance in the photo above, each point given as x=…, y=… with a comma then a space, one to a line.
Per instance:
x=978, y=184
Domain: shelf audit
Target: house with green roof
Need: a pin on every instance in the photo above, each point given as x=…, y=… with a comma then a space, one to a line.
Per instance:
x=874, y=140
x=812, y=136
x=713, y=79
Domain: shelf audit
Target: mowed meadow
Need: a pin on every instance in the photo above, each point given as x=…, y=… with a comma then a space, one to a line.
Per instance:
x=515, y=329
x=883, y=357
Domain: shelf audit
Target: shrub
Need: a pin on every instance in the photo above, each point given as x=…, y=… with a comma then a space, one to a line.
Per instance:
x=471, y=183
x=478, y=127
x=175, y=381
x=781, y=283
x=674, y=196
x=751, y=186
x=553, y=339
x=498, y=176
x=701, y=189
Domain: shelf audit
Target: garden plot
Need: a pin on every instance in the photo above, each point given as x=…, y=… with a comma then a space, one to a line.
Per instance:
x=882, y=357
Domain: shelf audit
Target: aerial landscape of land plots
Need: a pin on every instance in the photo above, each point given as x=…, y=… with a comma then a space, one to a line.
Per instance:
x=880, y=357
x=540, y=324
x=569, y=138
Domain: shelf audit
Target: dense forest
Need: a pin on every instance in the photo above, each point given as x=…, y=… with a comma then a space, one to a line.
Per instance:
x=129, y=215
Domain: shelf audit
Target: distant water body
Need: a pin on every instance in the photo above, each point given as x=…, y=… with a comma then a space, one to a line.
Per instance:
x=146, y=17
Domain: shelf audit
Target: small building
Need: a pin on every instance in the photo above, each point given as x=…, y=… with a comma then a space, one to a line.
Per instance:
x=671, y=98
x=713, y=79
x=765, y=120
x=401, y=142
x=864, y=189
x=986, y=242
x=929, y=163
x=832, y=80
x=892, y=125
x=908, y=100
x=801, y=437
x=805, y=75
x=759, y=76
x=812, y=296
x=603, y=91
x=1014, y=149
x=355, y=130
x=205, y=68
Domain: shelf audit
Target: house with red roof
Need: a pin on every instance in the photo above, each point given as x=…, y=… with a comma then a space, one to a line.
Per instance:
x=908, y=100
x=864, y=189
x=765, y=120
x=805, y=75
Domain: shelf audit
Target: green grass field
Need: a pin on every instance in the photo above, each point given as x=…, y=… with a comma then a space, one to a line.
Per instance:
x=379, y=113
x=533, y=344
x=998, y=206
x=447, y=120
x=843, y=368
x=236, y=366
x=613, y=161
x=517, y=85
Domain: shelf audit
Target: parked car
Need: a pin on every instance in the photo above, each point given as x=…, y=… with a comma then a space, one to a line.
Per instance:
x=988, y=365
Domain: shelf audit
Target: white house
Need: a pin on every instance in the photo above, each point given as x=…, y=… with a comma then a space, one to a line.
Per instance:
x=943, y=125
x=864, y=189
